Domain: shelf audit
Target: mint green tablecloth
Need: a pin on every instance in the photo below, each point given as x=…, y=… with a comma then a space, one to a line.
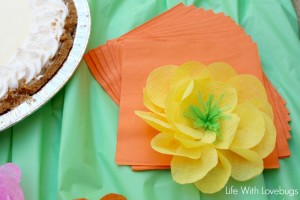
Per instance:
x=66, y=149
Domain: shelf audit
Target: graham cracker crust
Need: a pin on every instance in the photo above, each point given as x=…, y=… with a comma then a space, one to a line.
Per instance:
x=16, y=97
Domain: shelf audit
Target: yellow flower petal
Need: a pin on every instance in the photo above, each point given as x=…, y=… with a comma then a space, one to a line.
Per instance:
x=251, y=127
x=209, y=137
x=218, y=89
x=220, y=71
x=175, y=113
x=185, y=170
x=187, y=96
x=194, y=133
x=165, y=143
x=206, y=87
x=248, y=87
x=151, y=106
x=267, y=144
x=188, y=141
x=228, y=128
x=158, y=84
x=186, y=72
x=245, y=164
x=177, y=94
x=262, y=105
x=188, y=90
x=217, y=178
x=156, y=121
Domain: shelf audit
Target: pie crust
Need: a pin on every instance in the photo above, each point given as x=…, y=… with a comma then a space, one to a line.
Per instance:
x=24, y=91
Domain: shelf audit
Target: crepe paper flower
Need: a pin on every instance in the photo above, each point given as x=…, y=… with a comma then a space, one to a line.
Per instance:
x=215, y=123
x=10, y=177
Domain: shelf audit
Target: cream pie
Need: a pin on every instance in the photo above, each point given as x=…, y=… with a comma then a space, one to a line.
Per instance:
x=36, y=37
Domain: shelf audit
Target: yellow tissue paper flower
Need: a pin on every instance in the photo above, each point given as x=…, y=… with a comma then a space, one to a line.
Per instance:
x=216, y=124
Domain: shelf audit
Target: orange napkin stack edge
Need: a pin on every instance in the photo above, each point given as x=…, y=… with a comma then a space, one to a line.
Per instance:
x=181, y=34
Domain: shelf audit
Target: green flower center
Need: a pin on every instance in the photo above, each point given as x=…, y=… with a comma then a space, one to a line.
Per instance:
x=207, y=115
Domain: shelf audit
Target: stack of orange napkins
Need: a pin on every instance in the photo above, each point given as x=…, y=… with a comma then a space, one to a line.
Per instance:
x=179, y=35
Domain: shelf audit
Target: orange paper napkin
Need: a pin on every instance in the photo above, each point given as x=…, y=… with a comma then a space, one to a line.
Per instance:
x=179, y=35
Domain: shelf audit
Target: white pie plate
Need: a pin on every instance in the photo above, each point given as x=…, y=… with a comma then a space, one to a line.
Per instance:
x=61, y=77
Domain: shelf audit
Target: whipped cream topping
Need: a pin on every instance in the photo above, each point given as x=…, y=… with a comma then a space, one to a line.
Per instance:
x=38, y=45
